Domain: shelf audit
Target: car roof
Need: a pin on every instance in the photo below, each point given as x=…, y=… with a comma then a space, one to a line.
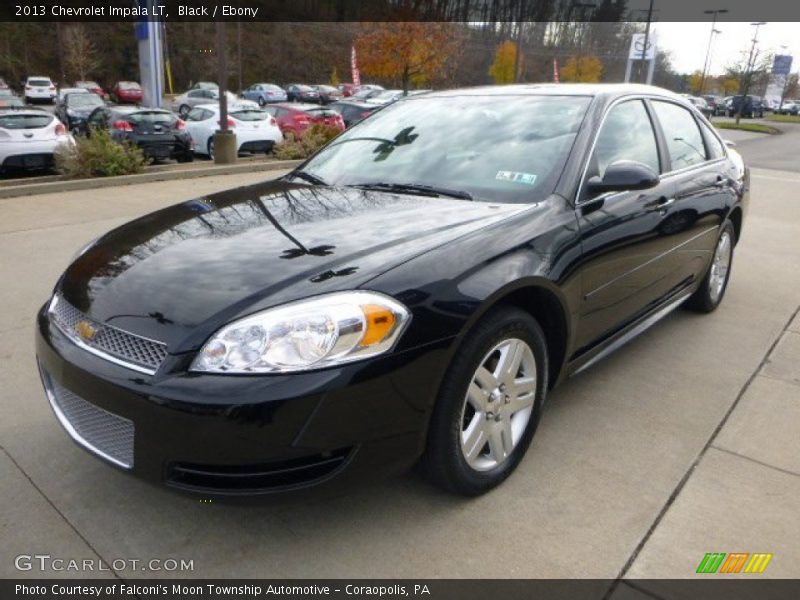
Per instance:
x=38, y=77
x=11, y=110
x=297, y=105
x=558, y=89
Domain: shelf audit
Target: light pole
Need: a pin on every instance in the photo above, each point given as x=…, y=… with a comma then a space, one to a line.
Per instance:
x=715, y=12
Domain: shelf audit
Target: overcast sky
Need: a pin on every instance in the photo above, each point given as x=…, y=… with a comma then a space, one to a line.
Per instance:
x=687, y=43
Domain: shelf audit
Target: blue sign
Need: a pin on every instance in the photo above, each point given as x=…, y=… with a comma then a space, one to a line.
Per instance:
x=782, y=64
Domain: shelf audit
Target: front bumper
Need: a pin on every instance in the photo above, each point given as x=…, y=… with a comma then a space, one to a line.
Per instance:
x=244, y=435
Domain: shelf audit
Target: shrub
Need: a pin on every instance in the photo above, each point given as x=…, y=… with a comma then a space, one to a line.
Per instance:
x=99, y=156
x=314, y=138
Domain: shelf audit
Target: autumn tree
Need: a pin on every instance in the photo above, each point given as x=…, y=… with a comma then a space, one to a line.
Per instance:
x=583, y=69
x=334, y=77
x=502, y=69
x=695, y=82
x=80, y=54
x=406, y=51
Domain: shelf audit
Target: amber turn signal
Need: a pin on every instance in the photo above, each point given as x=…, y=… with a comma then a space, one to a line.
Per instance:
x=379, y=324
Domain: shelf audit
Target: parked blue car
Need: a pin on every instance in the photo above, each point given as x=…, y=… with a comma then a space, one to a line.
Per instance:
x=264, y=93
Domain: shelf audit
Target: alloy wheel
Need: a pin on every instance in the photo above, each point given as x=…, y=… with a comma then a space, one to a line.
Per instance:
x=498, y=404
x=720, y=266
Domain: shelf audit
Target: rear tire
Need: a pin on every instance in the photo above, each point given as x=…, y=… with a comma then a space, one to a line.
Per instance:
x=183, y=111
x=210, y=147
x=489, y=404
x=712, y=289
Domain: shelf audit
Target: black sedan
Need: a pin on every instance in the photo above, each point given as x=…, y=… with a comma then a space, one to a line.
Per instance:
x=410, y=293
x=74, y=109
x=159, y=133
x=298, y=92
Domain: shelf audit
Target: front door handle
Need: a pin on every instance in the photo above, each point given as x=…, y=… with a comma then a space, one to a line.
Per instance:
x=661, y=204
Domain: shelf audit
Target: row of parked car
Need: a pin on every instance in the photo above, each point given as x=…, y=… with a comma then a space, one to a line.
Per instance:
x=750, y=106
x=262, y=116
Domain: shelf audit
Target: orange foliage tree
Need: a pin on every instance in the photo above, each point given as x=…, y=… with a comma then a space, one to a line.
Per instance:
x=502, y=69
x=585, y=69
x=406, y=51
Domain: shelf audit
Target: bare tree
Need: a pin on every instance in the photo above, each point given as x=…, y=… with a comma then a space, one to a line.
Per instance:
x=80, y=54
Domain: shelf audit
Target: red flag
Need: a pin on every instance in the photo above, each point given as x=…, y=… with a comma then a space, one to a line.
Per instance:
x=555, y=71
x=354, y=67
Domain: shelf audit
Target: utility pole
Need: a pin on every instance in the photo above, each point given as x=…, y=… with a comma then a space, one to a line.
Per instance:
x=715, y=12
x=748, y=74
x=224, y=139
x=647, y=41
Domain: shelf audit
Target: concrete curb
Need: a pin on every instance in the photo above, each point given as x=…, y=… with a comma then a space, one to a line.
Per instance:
x=69, y=185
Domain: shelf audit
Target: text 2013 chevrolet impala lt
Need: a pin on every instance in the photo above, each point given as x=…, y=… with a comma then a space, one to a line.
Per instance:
x=410, y=293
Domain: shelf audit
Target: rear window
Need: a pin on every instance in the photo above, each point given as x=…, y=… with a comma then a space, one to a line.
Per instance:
x=40, y=82
x=129, y=85
x=151, y=117
x=250, y=115
x=321, y=112
x=74, y=99
x=25, y=121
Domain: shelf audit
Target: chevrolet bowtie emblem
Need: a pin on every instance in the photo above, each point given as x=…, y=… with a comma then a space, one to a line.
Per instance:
x=86, y=330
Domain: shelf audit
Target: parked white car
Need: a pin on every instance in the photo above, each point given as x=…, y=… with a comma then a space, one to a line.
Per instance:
x=256, y=130
x=40, y=88
x=186, y=102
x=29, y=138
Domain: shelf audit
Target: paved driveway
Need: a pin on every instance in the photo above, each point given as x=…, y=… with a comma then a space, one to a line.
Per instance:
x=683, y=442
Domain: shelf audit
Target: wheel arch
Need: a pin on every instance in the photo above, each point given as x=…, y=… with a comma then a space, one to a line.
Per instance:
x=541, y=299
x=735, y=216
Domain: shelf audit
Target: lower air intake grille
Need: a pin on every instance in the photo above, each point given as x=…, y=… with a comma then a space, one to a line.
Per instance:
x=103, y=433
x=246, y=479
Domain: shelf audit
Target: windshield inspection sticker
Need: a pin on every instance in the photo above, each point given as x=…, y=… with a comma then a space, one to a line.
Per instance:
x=526, y=178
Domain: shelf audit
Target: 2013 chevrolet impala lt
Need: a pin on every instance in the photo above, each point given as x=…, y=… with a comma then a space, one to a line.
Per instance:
x=407, y=295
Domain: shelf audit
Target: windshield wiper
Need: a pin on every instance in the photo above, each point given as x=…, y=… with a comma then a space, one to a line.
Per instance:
x=309, y=177
x=416, y=188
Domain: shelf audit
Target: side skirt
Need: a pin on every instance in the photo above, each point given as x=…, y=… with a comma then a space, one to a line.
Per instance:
x=626, y=334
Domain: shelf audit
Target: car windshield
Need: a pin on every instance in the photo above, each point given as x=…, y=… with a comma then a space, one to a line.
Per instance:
x=151, y=118
x=39, y=82
x=250, y=115
x=84, y=100
x=25, y=121
x=499, y=148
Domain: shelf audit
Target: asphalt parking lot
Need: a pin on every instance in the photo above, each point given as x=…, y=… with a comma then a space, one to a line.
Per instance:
x=682, y=443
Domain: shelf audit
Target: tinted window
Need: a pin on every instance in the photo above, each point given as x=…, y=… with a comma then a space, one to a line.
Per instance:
x=151, y=117
x=195, y=94
x=684, y=141
x=25, y=121
x=499, y=148
x=39, y=82
x=713, y=144
x=626, y=134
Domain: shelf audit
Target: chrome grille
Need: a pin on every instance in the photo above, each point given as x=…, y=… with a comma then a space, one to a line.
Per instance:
x=103, y=433
x=130, y=350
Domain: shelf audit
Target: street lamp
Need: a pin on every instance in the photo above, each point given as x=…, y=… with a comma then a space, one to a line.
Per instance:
x=715, y=12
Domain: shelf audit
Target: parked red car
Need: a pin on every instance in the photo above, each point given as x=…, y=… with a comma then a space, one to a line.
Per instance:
x=347, y=89
x=296, y=118
x=92, y=86
x=127, y=92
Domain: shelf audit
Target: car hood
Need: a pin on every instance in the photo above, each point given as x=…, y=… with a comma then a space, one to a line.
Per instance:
x=178, y=274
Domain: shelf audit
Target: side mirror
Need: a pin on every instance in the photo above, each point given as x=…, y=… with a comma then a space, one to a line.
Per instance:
x=623, y=175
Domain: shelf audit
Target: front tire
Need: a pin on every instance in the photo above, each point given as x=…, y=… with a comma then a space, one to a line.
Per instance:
x=183, y=111
x=489, y=404
x=210, y=147
x=712, y=289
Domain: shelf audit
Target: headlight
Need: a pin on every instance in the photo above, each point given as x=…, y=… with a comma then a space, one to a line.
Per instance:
x=309, y=334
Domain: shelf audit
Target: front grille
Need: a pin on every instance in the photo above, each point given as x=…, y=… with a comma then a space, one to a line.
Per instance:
x=249, y=479
x=103, y=433
x=126, y=348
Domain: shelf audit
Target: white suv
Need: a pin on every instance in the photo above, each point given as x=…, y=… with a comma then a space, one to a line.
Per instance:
x=40, y=88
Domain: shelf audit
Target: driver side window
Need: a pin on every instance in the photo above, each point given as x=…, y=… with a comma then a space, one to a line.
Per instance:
x=626, y=134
